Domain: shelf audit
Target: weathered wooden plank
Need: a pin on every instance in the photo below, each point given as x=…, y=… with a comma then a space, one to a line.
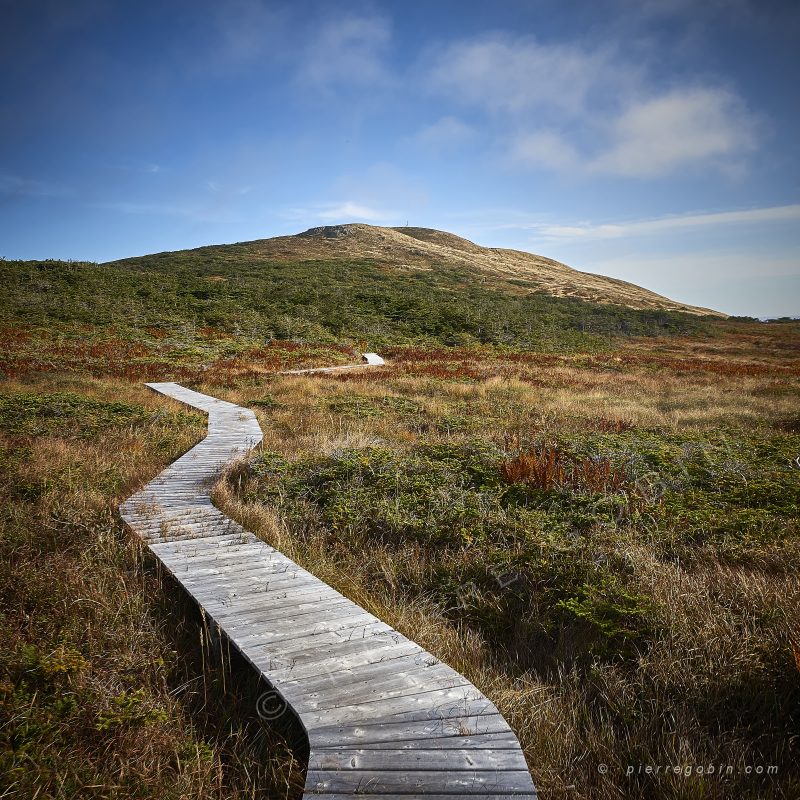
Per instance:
x=333, y=618
x=421, y=782
x=368, y=734
x=417, y=661
x=504, y=740
x=253, y=621
x=462, y=701
x=312, y=636
x=209, y=549
x=308, y=598
x=345, y=692
x=284, y=636
x=239, y=601
x=427, y=795
x=229, y=571
x=324, y=643
x=429, y=758
x=326, y=647
x=198, y=555
x=267, y=583
x=191, y=536
x=328, y=618
x=249, y=591
x=313, y=648
x=234, y=565
x=284, y=667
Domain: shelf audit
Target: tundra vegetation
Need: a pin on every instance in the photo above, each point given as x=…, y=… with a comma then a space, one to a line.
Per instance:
x=590, y=511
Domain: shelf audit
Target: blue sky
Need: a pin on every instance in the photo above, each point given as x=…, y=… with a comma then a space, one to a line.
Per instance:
x=652, y=140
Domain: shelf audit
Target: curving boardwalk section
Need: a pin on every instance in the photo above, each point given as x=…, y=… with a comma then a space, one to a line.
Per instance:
x=383, y=717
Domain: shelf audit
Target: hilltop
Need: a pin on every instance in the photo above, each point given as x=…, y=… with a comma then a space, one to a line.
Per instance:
x=411, y=249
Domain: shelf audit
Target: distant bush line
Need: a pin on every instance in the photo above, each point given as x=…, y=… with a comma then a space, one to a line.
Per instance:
x=228, y=288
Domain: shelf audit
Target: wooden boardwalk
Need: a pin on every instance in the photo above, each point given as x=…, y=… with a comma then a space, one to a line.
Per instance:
x=383, y=717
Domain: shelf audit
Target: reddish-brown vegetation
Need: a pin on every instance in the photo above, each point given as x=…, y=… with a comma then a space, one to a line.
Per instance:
x=548, y=467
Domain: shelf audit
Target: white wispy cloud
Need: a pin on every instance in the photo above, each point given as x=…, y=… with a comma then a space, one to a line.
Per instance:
x=445, y=132
x=337, y=212
x=682, y=127
x=544, y=149
x=705, y=128
x=190, y=212
x=135, y=167
x=572, y=107
x=17, y=186
x=227, y=190
x=349, y=210
x=244, y=32
x=348, y=50
x=516, y=74
x=586, y=230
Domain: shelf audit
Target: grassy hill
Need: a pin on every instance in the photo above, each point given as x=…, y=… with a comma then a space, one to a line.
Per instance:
x=328, y=287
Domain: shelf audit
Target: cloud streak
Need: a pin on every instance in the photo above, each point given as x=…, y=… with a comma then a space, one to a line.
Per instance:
x=584, y=231
x=193, y=213
x=444, y=133
x=16, y=186
x=338, y=212
x=351, y=210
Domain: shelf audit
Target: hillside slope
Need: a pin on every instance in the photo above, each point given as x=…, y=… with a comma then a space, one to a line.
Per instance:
x=413, y=249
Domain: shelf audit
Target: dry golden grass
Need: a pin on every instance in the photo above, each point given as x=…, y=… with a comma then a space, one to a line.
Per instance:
x=717, y=624
x=76, y=591
x=104, y=689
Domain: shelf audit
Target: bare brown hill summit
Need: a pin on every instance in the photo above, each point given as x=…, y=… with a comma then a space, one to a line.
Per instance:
x=410, y=248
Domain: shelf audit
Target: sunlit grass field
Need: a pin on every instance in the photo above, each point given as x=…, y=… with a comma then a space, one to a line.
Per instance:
x=602, y=536
x=607, y=546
